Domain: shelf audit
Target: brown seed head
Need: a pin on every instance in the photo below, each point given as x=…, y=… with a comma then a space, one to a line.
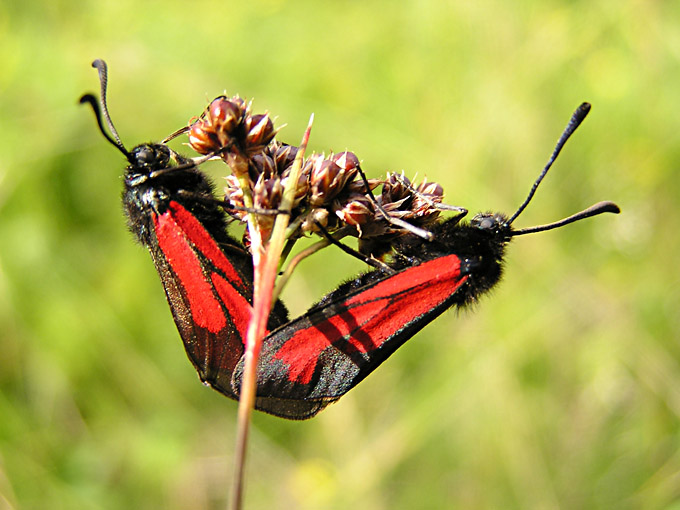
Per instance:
x=259, y=132
x=301, y=189
x=233, y=194
x=284, y=155
x=427, y=195
x=356, y=210
x=327, y=179
x=263, y=164
x=218, y=126
x=267, y=192
x=346, y=160
x=317, y=215
x=395, y=188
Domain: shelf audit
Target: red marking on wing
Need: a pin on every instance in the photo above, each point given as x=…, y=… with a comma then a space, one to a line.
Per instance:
x=238, y=307
x=373, y=316
x=197, y=235
x=206, y=310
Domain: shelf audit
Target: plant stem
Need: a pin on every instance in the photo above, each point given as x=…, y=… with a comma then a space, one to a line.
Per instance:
x=265, y=264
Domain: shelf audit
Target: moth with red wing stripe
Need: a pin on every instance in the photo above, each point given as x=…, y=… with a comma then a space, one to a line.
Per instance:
x=312, y=361
x=206, y=274
x=309, y=362
x=320, y=356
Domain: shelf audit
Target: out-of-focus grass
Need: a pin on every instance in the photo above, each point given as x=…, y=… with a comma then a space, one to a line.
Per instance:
x=560, y=391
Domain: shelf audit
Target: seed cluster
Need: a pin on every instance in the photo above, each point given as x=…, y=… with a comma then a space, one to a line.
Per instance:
x=330, y=194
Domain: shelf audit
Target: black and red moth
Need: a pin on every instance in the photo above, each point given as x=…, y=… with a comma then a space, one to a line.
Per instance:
x=309, y=362
x=207, y=274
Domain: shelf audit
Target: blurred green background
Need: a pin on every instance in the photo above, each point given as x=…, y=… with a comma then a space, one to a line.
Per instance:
x=560, y=391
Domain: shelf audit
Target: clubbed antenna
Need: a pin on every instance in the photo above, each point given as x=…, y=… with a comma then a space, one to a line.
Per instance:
x=100, y=106
x=575, y=121
x=593, y=210
x=101, y=67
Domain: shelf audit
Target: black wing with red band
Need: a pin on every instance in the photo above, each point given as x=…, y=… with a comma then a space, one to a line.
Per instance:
x=206, y=273
x=205, y=292
x=315, y=359
x=320, y=356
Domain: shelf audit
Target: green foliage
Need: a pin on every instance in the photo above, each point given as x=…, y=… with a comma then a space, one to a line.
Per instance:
x=561, y=391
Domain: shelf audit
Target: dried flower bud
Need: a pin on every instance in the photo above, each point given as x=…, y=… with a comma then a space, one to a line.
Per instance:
x=395, y=188
x=241, y=104
x=427, y=195
x=350, y=167
x=324, y=181
x=267, y=193
x=202, y=139
x=400, y=199
x=358, y=186
x=327, y=180
x=259, y=132
x=284, y=155
x=225, y=114
x=218, y=125
x=356, y=210
x=396, y=209
x=346, y=160
x=317, y=215
x=262, y=164
x=233, y=194
x=431, y=189
x=300, y=190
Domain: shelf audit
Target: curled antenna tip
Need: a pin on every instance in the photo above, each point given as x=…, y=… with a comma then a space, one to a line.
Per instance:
x=609, y=207
x=593, y=210
x=87, y=98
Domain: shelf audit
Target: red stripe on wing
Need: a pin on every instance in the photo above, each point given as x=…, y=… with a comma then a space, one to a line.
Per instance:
x=199, y=237
x=206, y=310
x=372, y=316
x=238, y=307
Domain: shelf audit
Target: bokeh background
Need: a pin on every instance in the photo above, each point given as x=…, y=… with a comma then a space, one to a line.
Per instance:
x=560, y=391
